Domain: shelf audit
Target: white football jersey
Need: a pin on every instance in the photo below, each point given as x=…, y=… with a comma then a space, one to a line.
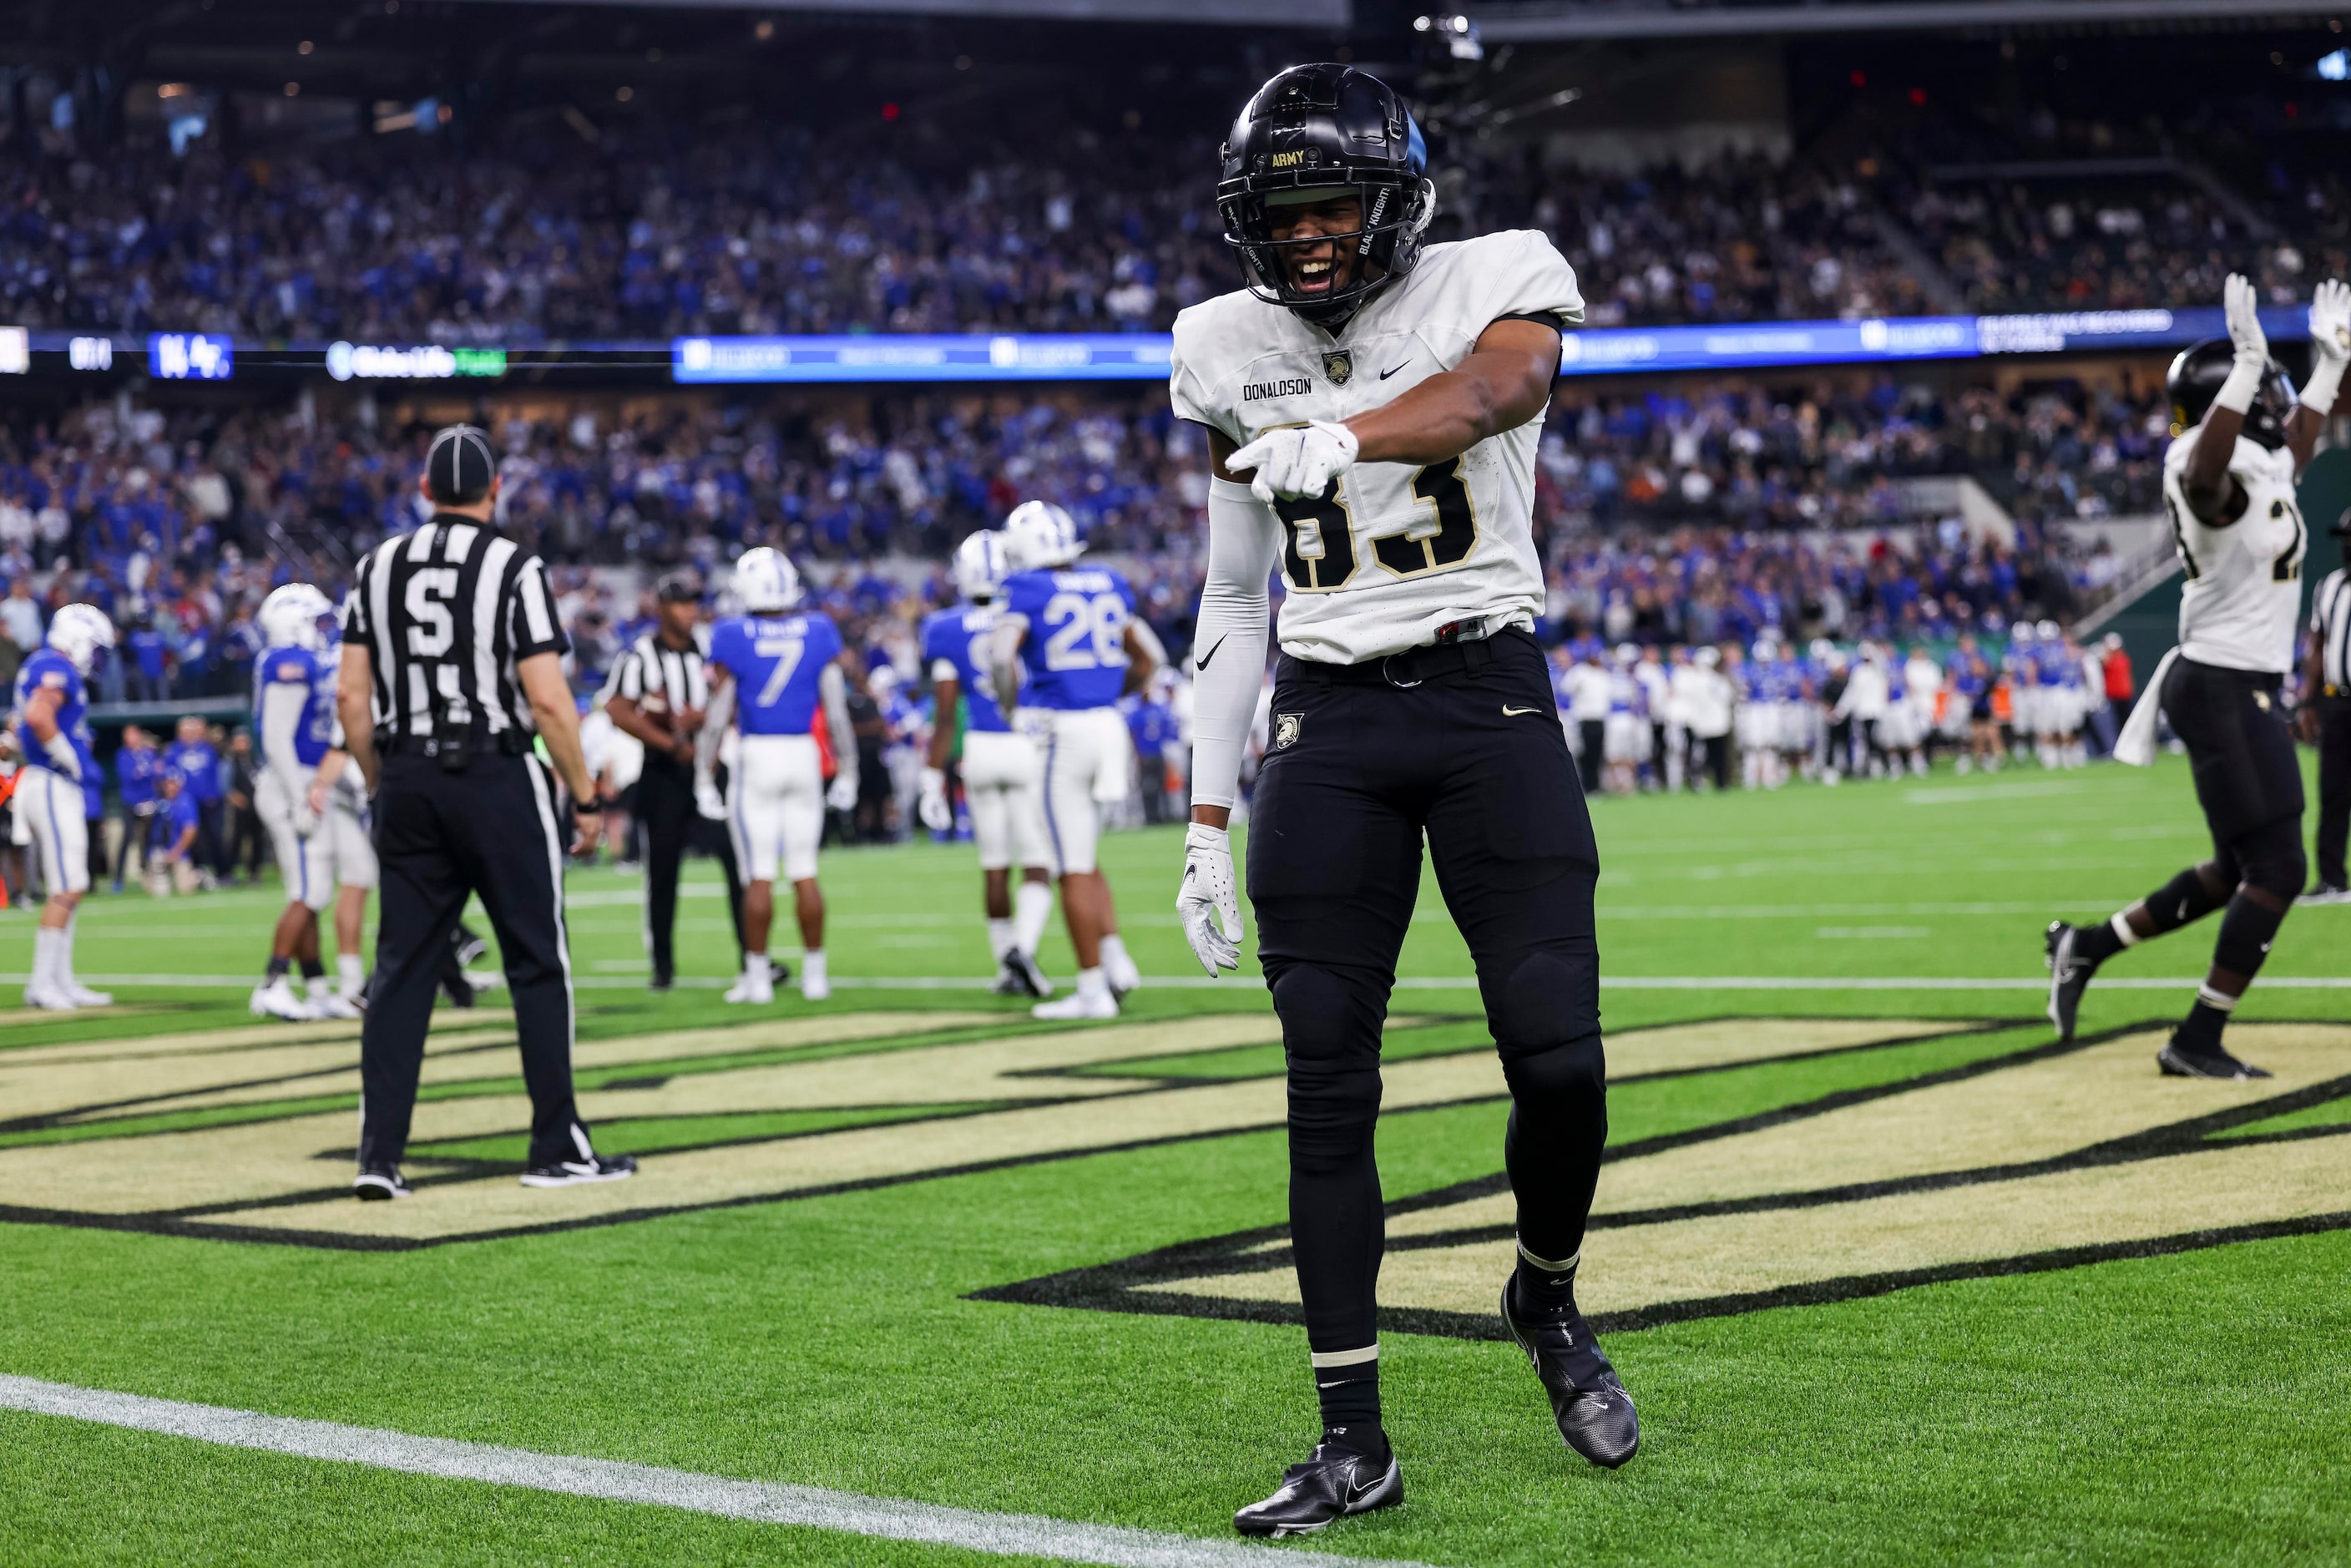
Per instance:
x=2244, y=593
x=1396, y=550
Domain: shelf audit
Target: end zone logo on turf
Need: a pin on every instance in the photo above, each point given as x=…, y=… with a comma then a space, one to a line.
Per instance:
x=2023, y=1155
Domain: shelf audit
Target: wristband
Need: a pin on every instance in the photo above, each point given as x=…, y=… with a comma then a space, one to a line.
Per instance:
x=2245, y=383
x=2326, y=379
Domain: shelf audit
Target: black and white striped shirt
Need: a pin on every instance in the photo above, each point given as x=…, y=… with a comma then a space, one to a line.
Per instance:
x=446, y=614
x=658, y=678
x=2330, y=622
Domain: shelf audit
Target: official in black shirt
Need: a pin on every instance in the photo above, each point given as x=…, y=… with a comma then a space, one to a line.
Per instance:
x=659, y=692
x=452, y=662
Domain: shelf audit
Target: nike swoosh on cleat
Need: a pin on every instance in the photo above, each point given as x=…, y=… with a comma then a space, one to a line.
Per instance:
x=1509, y=712
x=1202, y=663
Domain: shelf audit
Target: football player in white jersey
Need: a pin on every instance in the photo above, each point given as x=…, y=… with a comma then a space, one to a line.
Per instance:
x=1372, y=408
x=2240, y=438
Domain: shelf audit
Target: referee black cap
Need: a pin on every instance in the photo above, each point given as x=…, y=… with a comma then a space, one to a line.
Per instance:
x=459, y=466
x=678, y=588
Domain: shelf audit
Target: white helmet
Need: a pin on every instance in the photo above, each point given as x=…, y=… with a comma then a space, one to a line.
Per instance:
x=1766, y=650
x=2047, y=631
x=290, y=617
x=2020, y=632
x=766, y=580
x=1039, y=534
x=79, y=631
x=979, y=565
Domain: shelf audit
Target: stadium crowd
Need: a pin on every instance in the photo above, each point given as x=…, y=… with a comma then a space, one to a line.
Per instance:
x=652, y=232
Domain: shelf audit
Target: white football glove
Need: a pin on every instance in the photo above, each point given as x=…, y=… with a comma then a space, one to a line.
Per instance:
x=842, y=796
x=1206, y=896
x=2241, y=306
x=2330, y=319
x=1300, y=461
x=933, y=808
x=305, y=820
x=61, y=752
x=707, y=800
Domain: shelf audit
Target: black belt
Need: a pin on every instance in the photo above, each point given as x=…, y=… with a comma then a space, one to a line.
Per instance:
x=1446, y=656
x=505, y=743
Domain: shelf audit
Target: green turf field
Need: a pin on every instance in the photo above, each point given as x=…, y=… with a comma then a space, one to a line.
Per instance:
x=1892, y=1280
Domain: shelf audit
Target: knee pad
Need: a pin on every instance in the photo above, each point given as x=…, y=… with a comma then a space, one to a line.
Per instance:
x=1330, y=1040
x=1551, y=997
x=2273, y=859
x=1574, y=1068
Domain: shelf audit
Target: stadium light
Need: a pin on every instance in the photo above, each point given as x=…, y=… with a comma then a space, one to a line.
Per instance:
x=2336, y=67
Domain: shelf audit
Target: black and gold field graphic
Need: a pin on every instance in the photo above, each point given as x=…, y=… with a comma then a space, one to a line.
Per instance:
x=2020, y=1155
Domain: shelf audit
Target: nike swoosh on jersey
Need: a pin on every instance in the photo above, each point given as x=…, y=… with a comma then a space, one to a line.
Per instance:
x=1393, y=370
x=1509, y=712
x=1203, y=662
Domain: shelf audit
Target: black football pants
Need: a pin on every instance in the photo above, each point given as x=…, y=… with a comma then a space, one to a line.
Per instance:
x=491, y=830
x=674, y=824
x=1359, y=770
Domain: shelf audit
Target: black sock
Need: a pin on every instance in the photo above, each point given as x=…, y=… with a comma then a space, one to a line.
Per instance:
x=313, y=969
x=2097, y=943
x=1351, y=1407
x=278, y=968
x=2199, y=1033
x=1540, y=1287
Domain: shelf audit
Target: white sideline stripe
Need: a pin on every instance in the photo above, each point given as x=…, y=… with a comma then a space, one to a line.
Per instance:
x=766, y=1502
x=1404, y=983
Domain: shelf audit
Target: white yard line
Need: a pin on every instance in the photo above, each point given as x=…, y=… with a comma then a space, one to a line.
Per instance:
x=765, y=1502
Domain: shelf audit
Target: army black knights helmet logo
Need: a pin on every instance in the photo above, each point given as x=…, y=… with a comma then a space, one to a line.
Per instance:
x=1339, y=364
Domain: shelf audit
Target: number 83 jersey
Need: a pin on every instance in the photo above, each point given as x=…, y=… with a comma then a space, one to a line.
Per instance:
x=1392, y=550
x=2243, y=594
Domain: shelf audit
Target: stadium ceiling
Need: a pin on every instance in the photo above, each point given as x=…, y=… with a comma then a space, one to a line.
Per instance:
x=1561, y=21
x=1337, y=14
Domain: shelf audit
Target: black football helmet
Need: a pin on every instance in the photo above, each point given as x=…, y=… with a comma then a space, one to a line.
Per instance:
x=1313, y=133
x=2195, y=381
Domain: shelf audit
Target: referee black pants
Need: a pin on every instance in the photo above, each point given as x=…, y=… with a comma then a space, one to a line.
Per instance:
x=2334, y=789
x=1474, y=758
x=491, y=830
x=674, y=824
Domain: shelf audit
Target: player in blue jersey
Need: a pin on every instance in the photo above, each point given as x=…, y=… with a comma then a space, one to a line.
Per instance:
x=770, y=669
x=294, y=726
x=1001, y=770
x=1071, y=632
x=52, y=702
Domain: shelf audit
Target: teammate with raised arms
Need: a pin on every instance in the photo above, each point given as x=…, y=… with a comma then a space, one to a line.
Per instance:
x=1071, y=632
x=1372, y=408
x=1001, y=769
x=52, y=709
x=771, y=666
x=2240, y=438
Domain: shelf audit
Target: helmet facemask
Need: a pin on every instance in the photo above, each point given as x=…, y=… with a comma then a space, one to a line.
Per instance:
x=1390, y=219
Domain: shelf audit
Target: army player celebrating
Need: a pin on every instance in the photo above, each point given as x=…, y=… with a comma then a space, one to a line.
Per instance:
x=2241, y=438
x=1383, y=402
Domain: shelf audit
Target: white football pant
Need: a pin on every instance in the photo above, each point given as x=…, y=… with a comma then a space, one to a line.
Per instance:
x=1001, y=771
x=775, y=807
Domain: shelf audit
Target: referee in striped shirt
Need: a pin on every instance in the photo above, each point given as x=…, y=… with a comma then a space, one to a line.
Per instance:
x=658, y=692
x=2326, y=718
x=452, y=662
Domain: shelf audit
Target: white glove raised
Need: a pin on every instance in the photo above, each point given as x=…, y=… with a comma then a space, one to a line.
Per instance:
x=2330, y=319
x=1209, y=894
x=1301, y=460
x=2240, y=305
x=933, y=808
x=842, y=796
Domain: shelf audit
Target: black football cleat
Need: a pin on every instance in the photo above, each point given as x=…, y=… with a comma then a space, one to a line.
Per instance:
x=2179, y=1062
x=1595, y=1415
x=579, y=1173
x=1333, y=1483
x=1020, y=976
x=2069, y=976
x=378, y=1183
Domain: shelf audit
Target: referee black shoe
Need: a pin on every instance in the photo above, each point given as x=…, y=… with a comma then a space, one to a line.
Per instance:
x=378, y=1183
x=2180, y=1062
x=1333, y=1483
x=1594, y=1414
x=2069, y=976
x=579, y=1173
